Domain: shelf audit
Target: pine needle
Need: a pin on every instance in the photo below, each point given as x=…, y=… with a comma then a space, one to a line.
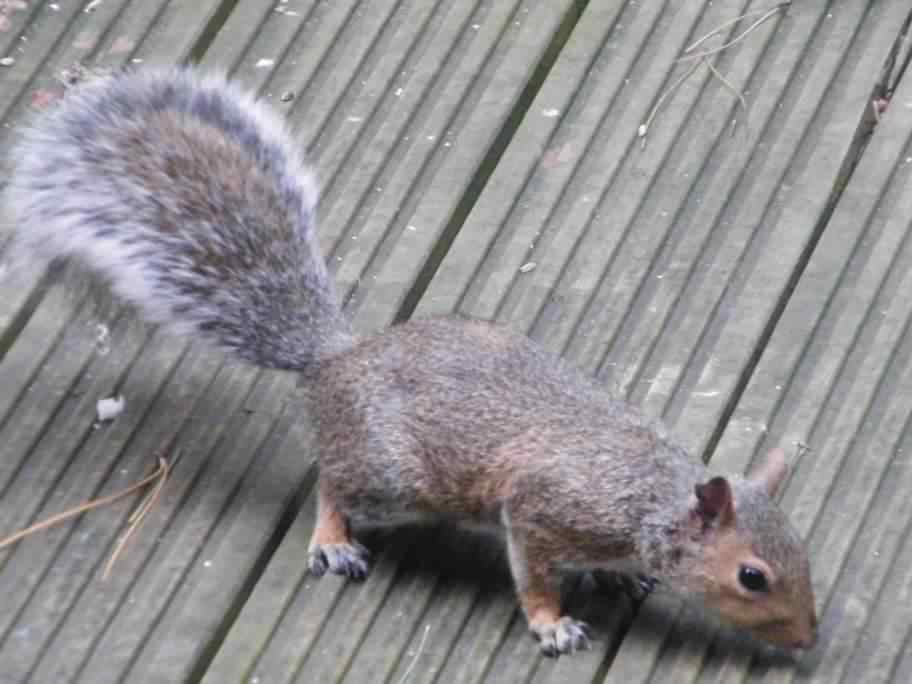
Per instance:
x=721, y=27
x=408, y=671
x=737, y=93
x=135, y=520
x=159, y=474
x=737, y=39
x=644, y=127
x=703, y=58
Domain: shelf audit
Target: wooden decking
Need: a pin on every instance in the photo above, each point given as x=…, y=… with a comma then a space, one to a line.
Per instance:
x=742, y=273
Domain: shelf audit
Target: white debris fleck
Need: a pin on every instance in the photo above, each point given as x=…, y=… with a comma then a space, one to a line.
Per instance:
x=265, y=62
x=102, y=339
x=355, y=119
x=410, y=227
x=137, y=60
x=398, y=92
x=92, y=6
x=476, y=26
x=528, y=266
x=110, y=408
x=54, y=6
x=551, y=113
x=7, y=61
x=207, y=564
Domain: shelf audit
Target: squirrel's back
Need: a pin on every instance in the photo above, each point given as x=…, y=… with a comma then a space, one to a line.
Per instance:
x=188, y=195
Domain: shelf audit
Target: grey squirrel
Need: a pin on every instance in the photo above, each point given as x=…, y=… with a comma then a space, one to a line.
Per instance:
x=188, y=196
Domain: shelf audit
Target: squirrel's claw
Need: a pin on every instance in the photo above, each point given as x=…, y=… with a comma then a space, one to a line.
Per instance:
x=637, y=587
x=646, y=584
x=564, y=636
x=351, y=559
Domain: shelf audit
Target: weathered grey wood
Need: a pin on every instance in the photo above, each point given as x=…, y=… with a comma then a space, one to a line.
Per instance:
x=835, y=376
x=60, y=620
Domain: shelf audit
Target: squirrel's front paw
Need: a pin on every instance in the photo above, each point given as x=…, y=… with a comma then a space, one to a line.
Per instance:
x=637, y=587
x=564, y=636
x=351, y=560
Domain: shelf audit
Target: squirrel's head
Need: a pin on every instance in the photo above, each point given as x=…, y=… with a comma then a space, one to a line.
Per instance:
x=754, y=569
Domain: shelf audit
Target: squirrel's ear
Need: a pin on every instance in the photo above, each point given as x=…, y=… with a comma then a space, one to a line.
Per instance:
x=715, y=505
x=772, y=472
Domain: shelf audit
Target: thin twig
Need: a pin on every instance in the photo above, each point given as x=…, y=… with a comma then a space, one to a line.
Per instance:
x=737, y=93
x=737, y=39
x=408, y=671
x=644, y=127
x=721, y=27
x=135, y=520
x=82, y=508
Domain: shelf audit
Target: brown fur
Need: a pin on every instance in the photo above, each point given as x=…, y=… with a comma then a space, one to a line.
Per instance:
x=466, y=421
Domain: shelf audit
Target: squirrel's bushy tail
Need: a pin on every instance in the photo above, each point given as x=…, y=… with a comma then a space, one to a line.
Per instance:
x=187, y=195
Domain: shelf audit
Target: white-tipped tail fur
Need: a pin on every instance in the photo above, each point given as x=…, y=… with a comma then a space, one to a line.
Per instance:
x=188, y=196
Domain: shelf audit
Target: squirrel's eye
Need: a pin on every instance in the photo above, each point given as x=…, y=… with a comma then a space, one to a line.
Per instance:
x=752, y=579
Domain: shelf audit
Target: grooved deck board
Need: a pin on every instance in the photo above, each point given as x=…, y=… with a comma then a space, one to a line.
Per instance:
x=61, y=621
x=835, y=376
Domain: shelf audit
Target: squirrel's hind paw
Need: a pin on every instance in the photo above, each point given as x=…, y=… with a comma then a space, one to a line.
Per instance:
x=564, y=636
x=351, y=559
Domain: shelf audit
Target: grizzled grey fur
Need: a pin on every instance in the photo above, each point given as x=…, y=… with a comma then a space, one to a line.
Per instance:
x=188, y=196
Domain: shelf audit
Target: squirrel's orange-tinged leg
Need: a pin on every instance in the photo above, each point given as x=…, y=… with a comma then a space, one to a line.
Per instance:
x=331, y=546
x=539, y=594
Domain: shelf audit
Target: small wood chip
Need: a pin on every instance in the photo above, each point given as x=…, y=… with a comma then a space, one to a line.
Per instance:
x=525, y=268
x=287, y=96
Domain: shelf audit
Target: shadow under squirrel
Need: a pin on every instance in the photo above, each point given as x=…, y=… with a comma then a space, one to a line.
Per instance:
x=189, y=197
